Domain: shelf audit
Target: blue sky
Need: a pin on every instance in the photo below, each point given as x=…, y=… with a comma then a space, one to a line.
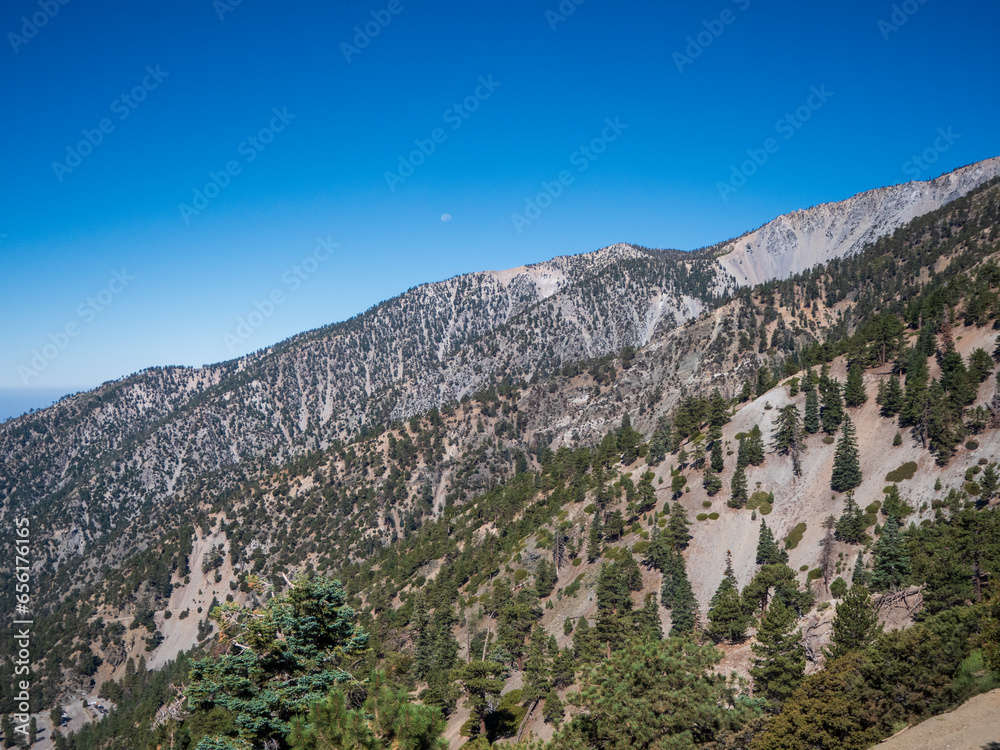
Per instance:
x=117, y=113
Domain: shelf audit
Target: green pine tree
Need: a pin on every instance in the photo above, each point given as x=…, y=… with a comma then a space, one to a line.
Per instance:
x=677, y=533
x=860, y=575
x=755, y=446
x=831, y=412
x=386, y=720
x=483, y=682
x=738, y=489
x=8, y=731
x=554, y=710
x=768, y=551
x=856, y=624
x=850, y=527
x=891, y=564
x=890, y=397
x=684, y=609
x=846, y=466
x=648, y=620
x=717, y=461
x=810, y=422
x=727, y=615
x=594, y=539
x=854, y=390
x=779, y=660
x=711, y=482
x=788, y=438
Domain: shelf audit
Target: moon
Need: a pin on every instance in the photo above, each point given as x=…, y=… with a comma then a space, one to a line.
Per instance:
x=445, y=217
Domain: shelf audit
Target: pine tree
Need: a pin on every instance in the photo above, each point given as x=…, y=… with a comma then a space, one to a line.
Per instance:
x=860, y=576
x=594, y=539
x=890, y=397
x=677, y=531
x=755, y=446
x=483, y=682
x=768, y=551
x=810, y=422
x=8, y=731
x=854, y=390
x=672, y=571
x=536, y=668
x=726, y=613
x=912, y=413
x=856, y=624
x=850, y=526
x=846, y=466
x=980, y=365
x=832, y=411
x=648, y=620
x=711, y=482
x=738, y=489
x=787, y=438
x=684, y=609
x=585, y=644
x=423, y=660
x=386, y=719
x=717, y=461
x=891, y=564
x=718, y=412
x=554, y=709
x=779, y=660
x=659, y=442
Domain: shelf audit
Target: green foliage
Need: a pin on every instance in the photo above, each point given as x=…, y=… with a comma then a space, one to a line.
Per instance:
x=654, y=694
x=738, y=489
x=846, y=466
x=856, y=624
x=386, y=720
x=891, y=567
x=902, y=473
x=288, y=654
x=838, y=589
x=795, y=536
x=768, y=551
x=788, y=438
x=727, y=616
x=854, y=390
x=779, y=660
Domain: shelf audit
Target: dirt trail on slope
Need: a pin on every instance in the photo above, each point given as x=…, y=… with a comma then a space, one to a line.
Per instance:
x=974, y=725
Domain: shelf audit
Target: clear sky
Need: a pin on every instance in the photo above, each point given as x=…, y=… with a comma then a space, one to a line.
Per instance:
x=168, y=165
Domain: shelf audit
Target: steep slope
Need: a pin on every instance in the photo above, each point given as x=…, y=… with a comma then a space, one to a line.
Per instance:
x=801, y=239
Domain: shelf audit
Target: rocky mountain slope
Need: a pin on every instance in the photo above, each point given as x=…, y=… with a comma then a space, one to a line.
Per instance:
x=474, y=487
x=96, y=460
x=801, y=239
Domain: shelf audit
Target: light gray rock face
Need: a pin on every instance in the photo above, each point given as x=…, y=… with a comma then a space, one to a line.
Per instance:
x=799, y=240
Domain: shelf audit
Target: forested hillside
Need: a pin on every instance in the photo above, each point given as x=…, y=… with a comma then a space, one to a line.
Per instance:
x=772, y=526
